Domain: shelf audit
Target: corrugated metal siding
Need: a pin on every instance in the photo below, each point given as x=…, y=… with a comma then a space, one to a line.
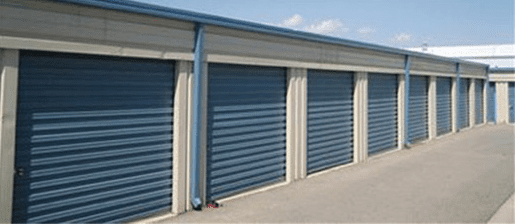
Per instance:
x=479, y=101
x=94, y=136
x=382, y=112
x=330, y=113
x=417, y=130
x=246, y=128
x=511, y=89
x=432, y=65
x=464, y=103
x=491, y=102
x=443, y=105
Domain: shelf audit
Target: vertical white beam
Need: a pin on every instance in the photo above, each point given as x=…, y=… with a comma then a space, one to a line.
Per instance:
x=189, y=139
x=454, y=105
x=180, y=138
x=503, y=106
x=360, y=117
x=472, y=102
x=291, y=121
x=9, y=61
x=303, y=121
x=432, y=108
x=401, y=112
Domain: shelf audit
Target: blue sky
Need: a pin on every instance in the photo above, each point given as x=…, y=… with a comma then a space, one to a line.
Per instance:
x=398, y=23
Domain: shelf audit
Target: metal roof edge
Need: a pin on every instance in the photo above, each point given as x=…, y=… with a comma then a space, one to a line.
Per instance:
x=195, y=17
x=502, y=70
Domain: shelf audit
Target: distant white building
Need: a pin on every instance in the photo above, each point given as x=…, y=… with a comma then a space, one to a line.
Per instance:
x=497, y=56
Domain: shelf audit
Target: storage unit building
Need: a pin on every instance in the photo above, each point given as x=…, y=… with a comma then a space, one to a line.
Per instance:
x=443, y=105
x=418, y=109
x=116, y=111
x=330, y=115
x=500, y=95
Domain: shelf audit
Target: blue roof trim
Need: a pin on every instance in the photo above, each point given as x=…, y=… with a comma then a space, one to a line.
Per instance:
x=170, y=13
x=502, y=70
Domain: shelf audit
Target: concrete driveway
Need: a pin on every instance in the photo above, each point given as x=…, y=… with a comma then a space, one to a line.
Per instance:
x=464, y=177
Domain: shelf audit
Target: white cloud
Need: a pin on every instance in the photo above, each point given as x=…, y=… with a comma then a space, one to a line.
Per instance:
x=295, y=20
x=402, y=38
x=366, y=30
x=326, y=26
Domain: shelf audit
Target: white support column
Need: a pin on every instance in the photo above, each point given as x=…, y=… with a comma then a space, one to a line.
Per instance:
x=9, y=61
x=360, y=117
x=189, y=138
x=503, y=106
x=472, y=102
x=432, y=127
x=183, y=70
x=296, y=124
x=303, y=122
x=401, y=111
x=454, y=108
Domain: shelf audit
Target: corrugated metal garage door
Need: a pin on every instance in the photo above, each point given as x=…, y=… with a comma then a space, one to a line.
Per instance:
x=94, y=138
x=246, y=128
x=479, y=101
x=464, y=104
x=417, y=130
x=443, y=105
x=491, y=102
x=511, y=89
x=382, y=112
x=330, y=111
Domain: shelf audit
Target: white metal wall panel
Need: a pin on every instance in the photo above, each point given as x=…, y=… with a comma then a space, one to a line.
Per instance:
x=443, y=105
x=223, y=41
x=479, y=101
x=432, y=65
x=463, y=110
x=246, y=128
x=93, y=138
x=382, y=112
x=418, y=113
x=330, y=119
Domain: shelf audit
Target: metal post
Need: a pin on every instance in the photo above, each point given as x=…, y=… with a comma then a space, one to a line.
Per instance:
x=198, y=67
x=407, y=67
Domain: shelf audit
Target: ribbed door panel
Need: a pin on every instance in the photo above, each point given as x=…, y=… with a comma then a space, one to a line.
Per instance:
x=382, y=112
x=479, y=100
x=443, y=105
x=330, y=117
x=463, y=111
x=491, y=102
x=94, y=137
x=246, y=128
x=417, y=130
x=511, y=89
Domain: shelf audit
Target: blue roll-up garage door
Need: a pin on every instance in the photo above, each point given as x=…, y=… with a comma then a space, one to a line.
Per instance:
x=93, y=138
x=511, y=89
x=246, y=128
x=443, y=105
x=382, y=112
x=417, y=130
x=330, y=111
x=479, y=100
x=491, y=102
x=463, y=112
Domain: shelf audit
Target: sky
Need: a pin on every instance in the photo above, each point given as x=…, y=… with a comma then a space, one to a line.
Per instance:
x=396, y=23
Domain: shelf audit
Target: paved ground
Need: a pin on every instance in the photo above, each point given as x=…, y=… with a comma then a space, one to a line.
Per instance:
x=464, y=177
x=505, y=214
